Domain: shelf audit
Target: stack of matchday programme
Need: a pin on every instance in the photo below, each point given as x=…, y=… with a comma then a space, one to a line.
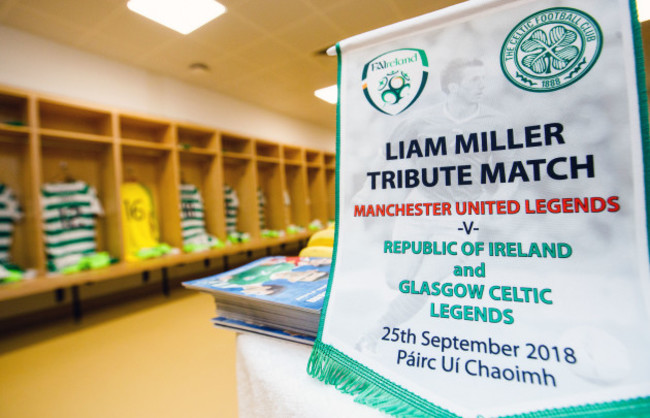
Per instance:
x=277, y=296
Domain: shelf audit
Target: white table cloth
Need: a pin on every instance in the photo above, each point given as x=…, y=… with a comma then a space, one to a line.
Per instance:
x=272, y=381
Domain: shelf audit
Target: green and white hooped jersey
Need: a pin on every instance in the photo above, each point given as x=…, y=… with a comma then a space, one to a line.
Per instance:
x=261, y=208
x=69, y=218
x=10, y=212
x=232, y=209
x=193, y=217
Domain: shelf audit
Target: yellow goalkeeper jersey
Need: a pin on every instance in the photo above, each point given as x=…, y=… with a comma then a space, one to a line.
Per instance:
x=139, y=222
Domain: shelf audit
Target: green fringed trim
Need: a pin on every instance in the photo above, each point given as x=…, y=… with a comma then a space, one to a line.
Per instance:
x=332, y=367
x=639, y=407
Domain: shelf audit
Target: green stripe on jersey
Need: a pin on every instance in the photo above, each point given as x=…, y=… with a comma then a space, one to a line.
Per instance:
x=69, y=221
x=64, y=189
x=10, y=212
x=62, y=244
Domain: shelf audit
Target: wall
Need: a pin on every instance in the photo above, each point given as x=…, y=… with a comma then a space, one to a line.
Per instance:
x=37, y=64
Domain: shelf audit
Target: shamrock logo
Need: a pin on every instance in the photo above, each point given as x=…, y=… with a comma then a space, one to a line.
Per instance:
x=551, y=49
x=552, y=52
x=394, y=80
x=394, y=87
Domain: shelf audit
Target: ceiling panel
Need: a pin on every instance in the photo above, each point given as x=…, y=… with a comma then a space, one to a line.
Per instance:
x=230, y=31
x=411, y=8
x=261, y=51
x=72, y=11
x=363, y=15
x=324, y=5
x=129, y=52
x=126, y=36
x=42, y=24
x=310, y=34
x=273, y=15
x=266, y=54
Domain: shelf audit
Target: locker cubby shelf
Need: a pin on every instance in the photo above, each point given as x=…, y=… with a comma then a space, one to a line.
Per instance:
x=146, y=130
x=56, y=116
x=13, y=110
x=193, y=138
x=14, y=135
x=296, y=189
x=314, y=158
x=316, y=193
x=15, y=158
x=9, y=130
x=234, y=145
x=151, y=149
x=330, y=160
x=71, y=137
x=92, y=163
x=267, y=151
x=292, y=154
x=45, y=139
x=330, y=190
x=203, y=171
x=269, y=180
x=73, y=142
x=239, y=174
x=155, y=169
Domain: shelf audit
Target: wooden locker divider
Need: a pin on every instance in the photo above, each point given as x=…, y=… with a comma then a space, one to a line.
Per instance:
x=330, y=185
x=32, y=203
x=314, y=158
x=316, y=187
x=45, y=139
x=154, y=170
x=146, y=130
x=239, y=174
x=269, y=181
x=15, y=159
x=14, y=111
x=65, y=160
x=329, y=160
x=15, y=142
x=148, y=158
x=76, y=144
x=296, y=185
x=199, y=164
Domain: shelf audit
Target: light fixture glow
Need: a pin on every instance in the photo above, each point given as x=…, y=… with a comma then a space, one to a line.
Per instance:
x=329, y=94
x=643, y=9
x=183, y=16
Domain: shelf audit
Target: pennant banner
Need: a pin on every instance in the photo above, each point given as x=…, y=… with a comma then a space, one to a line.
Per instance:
x=491, y=254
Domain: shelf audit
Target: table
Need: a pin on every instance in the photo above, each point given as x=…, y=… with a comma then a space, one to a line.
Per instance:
x=272, y=381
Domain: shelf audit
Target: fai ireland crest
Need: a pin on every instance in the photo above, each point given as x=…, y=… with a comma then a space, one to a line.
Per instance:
x=393, y=81
x=551, y=49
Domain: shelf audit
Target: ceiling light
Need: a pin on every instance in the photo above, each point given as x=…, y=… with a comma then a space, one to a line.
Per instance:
x=643, y=8
x=183, y=16
x=329, y=94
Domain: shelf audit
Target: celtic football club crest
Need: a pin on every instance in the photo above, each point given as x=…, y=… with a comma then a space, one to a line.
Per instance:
x=551, y=49
x=393, y=81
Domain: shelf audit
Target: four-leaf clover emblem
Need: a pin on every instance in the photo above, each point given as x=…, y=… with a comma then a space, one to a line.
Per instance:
x=550, y=52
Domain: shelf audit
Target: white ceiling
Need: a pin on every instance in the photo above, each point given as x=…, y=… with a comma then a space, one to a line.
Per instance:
x=263, y=52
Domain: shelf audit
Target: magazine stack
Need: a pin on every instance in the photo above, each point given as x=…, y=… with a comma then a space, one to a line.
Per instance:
x=278, y=296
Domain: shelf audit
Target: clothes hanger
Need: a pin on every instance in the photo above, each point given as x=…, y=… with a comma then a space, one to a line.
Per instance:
x=67, y=177
x=130, y=175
